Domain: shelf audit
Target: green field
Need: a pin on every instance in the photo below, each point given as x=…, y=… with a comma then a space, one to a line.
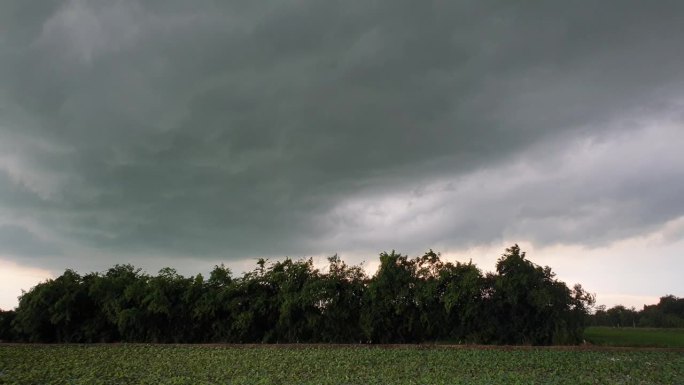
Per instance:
x=193, y=364
x=635, y=337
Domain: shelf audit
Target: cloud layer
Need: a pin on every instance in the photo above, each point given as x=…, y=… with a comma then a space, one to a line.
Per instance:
x=238, y=129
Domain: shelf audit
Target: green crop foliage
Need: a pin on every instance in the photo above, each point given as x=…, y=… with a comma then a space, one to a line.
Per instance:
x=650, y=337
x=193, y=364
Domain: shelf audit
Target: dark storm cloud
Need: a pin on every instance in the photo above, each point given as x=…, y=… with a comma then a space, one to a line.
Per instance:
x=19, y=241
x=239, y=128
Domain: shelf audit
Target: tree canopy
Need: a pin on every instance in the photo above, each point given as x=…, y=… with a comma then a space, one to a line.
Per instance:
x=407, y=300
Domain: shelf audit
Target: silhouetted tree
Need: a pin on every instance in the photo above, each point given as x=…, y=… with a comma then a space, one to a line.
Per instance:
x=407, y=300
x=529, y=305
x=462, y=291
x=390, y=312
x=7, y=331
x=667, y=313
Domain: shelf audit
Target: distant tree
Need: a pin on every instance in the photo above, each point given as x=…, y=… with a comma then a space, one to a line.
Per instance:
x=668, y=312
x=599, y=317
x=672, y=305
x=620, y=316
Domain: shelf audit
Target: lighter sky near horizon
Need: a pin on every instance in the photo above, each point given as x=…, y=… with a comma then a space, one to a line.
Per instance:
x=187, y=134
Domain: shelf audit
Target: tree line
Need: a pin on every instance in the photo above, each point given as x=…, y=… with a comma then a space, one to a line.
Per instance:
x=667, y=313
x=407, y=300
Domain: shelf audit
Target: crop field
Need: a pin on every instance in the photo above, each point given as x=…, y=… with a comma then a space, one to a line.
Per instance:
x=197, y=364
x=635, y=337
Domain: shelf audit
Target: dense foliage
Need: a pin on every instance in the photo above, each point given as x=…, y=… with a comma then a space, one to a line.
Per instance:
x=198, y=365
x=407, y=300
x=667, y=313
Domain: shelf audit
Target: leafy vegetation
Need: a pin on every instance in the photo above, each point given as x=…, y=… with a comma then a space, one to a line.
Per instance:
x=667, y=313
x=651, y=337
x=408, y=300
x=184, y=364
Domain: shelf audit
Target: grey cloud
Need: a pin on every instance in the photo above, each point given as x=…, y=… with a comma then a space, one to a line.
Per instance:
x=233, y=128
x=18, y=241
x=585, y=193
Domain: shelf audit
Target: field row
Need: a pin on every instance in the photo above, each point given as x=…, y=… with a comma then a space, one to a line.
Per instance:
x=191, y=364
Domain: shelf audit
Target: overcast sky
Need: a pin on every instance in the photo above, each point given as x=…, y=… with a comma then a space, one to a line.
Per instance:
x=185, y=134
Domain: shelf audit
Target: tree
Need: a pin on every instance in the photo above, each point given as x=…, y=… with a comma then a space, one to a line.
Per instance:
x=407, y=300
x=390, y=310
x=210, y=312
x=463, y=287
x=119, y=294
x=529, y=305
x=7, y=331
x=341, y=302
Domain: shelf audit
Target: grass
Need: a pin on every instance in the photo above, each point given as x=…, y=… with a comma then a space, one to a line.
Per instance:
x=193, y=364
x=635, y=337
